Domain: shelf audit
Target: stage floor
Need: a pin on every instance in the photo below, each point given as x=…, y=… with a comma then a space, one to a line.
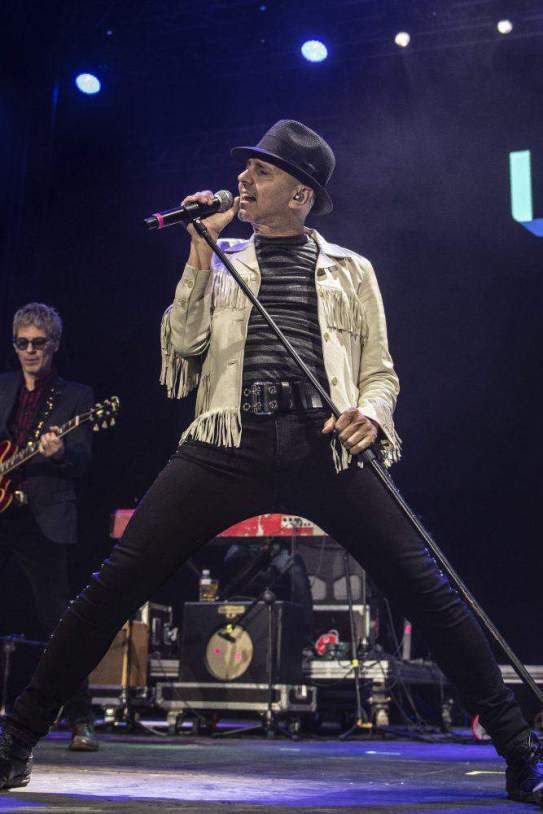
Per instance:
x=197, y=775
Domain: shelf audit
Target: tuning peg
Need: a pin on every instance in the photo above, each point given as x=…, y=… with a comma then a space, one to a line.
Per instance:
x=95, y=428
x=112, y=421
x=105, y=425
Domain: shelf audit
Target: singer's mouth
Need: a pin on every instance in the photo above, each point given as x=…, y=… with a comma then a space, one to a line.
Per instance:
x=246, y=196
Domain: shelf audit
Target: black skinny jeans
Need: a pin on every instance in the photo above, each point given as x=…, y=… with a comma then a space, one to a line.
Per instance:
x=284, y=464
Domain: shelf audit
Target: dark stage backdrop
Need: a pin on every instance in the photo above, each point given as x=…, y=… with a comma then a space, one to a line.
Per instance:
x=422, y=139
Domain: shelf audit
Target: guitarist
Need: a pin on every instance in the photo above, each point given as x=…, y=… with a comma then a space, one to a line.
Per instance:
x=36, y=528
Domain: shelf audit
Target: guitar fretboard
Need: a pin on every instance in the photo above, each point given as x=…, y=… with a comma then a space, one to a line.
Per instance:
x=30, y=449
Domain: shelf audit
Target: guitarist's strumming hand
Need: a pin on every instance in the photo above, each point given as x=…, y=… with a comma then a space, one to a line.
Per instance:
x=51, y=446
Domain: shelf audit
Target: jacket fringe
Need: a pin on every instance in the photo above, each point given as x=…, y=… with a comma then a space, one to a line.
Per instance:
x=204, y=394
x=341, y=311
x=227, y=293
x=391, y=449
x=341, y=455
x=221, y=427
x=179, y=375
x=391, y=445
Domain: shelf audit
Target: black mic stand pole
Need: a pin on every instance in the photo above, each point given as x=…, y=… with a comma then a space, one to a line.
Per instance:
x=9, y=644
x=370, y=459
x=361, y=722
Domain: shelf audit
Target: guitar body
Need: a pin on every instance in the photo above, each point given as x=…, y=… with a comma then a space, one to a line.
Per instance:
x=7, y=451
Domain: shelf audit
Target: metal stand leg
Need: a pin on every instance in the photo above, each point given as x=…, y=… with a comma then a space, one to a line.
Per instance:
x=9, y=643
x=361, y=724
x=126, y=716
x=8, y=646
x=270, y=725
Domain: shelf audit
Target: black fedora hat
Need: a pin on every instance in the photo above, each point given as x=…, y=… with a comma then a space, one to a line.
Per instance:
x=299, y=151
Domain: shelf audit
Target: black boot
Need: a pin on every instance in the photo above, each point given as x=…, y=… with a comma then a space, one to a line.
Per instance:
x=15, y=761
x=524, y=774
x=83, y=738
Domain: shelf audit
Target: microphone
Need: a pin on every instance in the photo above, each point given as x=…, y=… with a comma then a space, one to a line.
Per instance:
x=224, y=633
x=222, y=200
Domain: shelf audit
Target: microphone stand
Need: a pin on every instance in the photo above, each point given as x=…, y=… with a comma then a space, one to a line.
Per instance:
x=9, y=644
x=370, y=459
x=127, y=716
x=270, y=726
x=247, y=571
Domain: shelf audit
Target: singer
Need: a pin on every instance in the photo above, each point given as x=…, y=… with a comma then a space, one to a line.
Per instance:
x=262, y=441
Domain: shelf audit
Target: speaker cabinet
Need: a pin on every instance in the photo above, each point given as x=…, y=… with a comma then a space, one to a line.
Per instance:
x=216, y=647
x=112, y=671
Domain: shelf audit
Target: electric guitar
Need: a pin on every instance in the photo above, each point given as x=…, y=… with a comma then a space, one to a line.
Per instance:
x=103, y=416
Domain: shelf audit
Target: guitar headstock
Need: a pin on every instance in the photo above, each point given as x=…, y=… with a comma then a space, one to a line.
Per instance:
x=103, y=413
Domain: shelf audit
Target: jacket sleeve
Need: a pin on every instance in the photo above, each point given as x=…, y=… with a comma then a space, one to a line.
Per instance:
x=78, y=444
x=378, y=383
x=190, y=313
x=185, y=332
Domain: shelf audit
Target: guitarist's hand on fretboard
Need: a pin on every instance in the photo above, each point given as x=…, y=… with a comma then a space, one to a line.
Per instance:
x=51, y=446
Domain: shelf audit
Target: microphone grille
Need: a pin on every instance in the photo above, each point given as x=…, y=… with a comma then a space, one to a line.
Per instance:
x=225, y=198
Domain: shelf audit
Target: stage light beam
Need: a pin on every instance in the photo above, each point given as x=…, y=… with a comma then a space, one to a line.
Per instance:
x=314, y=51
x=88, y=83
x=505, y=26
x=402, y=39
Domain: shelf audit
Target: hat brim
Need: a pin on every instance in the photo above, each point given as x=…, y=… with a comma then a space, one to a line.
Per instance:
x=323, y=203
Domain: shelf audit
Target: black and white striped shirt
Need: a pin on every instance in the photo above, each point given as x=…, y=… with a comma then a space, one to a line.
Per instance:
x=287, y=291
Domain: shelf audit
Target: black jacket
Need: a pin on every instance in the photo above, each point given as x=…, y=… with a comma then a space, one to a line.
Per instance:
x=50, y=486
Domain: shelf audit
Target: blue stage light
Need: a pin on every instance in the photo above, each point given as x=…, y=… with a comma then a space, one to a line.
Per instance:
x=87, y=83
x=314, y=51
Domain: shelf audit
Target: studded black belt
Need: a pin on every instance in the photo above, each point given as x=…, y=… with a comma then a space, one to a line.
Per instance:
x=266, y=398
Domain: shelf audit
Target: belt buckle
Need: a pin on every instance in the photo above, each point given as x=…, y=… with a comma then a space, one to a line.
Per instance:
x=262, y=404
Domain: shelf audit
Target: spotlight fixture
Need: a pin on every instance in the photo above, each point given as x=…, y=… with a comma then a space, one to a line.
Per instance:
x=402, y=39
x=505, y=26
x=88, y=83
x=314, y=51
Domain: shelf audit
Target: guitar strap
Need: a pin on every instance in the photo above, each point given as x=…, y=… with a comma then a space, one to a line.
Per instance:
x=47, y=404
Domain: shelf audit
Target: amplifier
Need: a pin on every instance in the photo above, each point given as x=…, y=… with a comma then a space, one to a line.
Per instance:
x=214, y=651
x=112, y=671
x=154, y=645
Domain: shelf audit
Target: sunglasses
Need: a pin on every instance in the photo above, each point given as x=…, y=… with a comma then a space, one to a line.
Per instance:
x=38, y=343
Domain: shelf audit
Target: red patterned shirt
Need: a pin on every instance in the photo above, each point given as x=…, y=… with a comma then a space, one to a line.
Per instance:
x=27, y=406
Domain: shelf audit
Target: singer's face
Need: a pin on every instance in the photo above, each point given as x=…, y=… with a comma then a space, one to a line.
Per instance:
x=265, y=193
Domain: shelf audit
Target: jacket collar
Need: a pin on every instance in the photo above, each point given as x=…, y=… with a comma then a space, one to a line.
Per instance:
x=244, y=251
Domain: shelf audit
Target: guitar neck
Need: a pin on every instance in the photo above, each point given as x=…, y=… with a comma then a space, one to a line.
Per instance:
x=32, y=449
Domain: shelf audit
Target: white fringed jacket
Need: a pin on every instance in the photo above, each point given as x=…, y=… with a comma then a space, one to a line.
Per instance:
x=204, y=330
